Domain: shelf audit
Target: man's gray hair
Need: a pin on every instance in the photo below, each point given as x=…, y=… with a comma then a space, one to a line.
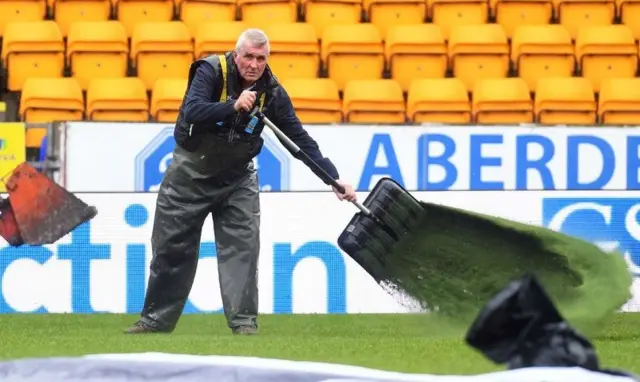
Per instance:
x=255, y=37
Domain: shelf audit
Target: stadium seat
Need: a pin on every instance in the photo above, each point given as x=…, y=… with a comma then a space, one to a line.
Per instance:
x=295, y=52
x=606, y=52
x=97, y=49
x=161, y=50
x=478, y=51
x=414, y=52
x=448, y=14
x=21, y=10
x=33, y=136
x=619, y=101
x=352, y=52
x=629, y=14
x=117, y=99
x=565, y=101
x=438, y=100
x=134, y=12
x=322, y=13
x=260, y=13
x=32, y=49
x=316, y=100
x=385, y=14
x=575, y=14
x=66, y=12
x=196, y=12
x=166, y=98
x=46, y=100
x=501, y=101
x=373, y=101
x=217, y=37
x=542, y=51
x=511, y=14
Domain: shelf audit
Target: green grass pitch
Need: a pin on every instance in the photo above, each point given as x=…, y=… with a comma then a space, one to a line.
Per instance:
x=398, y=342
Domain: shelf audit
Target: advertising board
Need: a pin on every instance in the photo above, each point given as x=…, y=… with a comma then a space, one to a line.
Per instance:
x=103, y=265
x=12, y=148
x=109, y=157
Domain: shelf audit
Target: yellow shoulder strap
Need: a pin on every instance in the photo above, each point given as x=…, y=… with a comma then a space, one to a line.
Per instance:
x=223, y=65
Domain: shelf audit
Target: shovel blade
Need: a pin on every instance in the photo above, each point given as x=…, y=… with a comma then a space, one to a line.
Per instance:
x=368, y=242
x=38, y=210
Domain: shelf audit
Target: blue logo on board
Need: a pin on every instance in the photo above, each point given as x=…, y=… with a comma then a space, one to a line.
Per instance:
x=272, y=163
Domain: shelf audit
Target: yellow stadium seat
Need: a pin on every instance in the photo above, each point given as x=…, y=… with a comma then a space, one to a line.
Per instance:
x=565, y=101
x=260, y=13
x=46, y=100
x=21, y=10
x=575, y=14
x=67, y=12
x=295, y=51
x=542, y=51
x=117, y=99
x=196, y=12
x=32, y=49
x=629, y=13
x=448, y=14
x=373, y=101
x=478, y=51
x=415, y=51
x=606, y=52
x=352, y=52
x=166, y=98
x=322, y=13
x=511, y=14
x=132, y=12
x=438, y=100
x=316, y=100
x=161, y=50
x=619, y=101
x=217, y=37
x=97, y=49
x=502, y=101
x=34, y=135
x=388, y=13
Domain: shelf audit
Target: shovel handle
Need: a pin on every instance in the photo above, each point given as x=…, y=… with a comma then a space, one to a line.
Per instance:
x=306, y=158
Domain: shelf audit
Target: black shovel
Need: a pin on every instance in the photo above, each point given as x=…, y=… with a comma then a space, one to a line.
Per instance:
x=388, y=215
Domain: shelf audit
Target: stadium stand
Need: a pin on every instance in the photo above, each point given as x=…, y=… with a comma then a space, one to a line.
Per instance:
x=353, y=61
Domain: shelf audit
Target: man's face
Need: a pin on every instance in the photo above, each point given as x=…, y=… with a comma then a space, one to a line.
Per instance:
x=251, y=61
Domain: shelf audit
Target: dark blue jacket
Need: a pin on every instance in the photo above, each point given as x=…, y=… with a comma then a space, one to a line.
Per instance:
x=202, y=108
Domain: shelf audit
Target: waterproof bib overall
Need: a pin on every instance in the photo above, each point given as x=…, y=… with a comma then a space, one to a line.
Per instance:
x=213, y=174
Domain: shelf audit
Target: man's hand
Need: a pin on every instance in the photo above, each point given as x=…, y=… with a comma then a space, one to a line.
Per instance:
x=245, y=101
x=349, y=193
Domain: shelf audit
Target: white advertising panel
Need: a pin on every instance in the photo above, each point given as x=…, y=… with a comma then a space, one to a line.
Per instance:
x=103, y=265
x=109, y=157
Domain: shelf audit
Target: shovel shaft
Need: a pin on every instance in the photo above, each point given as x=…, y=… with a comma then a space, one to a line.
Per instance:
x=307, y=159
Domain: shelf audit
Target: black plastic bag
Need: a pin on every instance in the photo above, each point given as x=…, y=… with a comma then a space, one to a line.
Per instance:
x=520, y=326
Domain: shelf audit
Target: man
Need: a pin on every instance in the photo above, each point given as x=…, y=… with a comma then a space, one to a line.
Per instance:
x=212, y=172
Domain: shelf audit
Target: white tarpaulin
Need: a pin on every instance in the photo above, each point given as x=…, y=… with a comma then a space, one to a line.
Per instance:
x=162, y=367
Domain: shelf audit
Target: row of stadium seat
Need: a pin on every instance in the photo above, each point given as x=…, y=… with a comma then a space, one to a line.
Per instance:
x=100, y=49
x=321, y=13
x=493, y=101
